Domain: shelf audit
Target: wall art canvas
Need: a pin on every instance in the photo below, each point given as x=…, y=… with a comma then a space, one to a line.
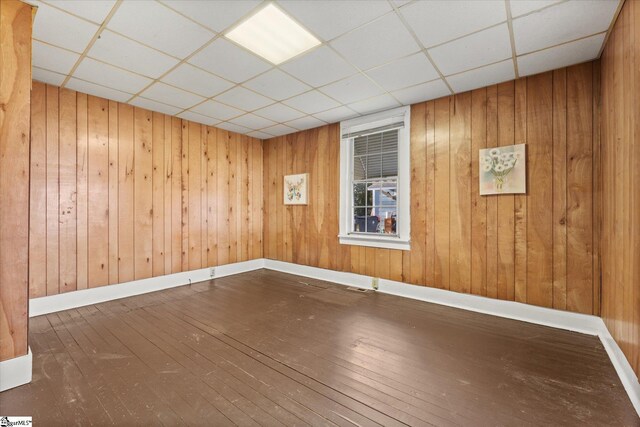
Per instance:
x=296, y=189
x=503, y=170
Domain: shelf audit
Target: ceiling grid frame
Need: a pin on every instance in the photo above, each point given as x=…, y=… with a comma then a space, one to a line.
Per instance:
x=304, y=119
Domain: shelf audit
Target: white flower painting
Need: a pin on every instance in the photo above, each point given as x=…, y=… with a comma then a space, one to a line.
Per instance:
x=296, y=189
x=503, y=170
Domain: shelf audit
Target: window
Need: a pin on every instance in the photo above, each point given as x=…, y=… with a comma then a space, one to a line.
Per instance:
x=374, y=178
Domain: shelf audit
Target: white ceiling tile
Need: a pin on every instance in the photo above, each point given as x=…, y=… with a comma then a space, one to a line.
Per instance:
x=481, y=77
x=400, y=3
x=193, y=79
x=279, y=113
x=307, y=122
x=277, y=85
x=172, y=96
x=336, y=114
x=117, y=50
x=155, y=106
x=217, y=15
x=486, y=47
x=520, y=7
x=93, y=10
x=311, y=102
x=229, y=61
x=279, y=130
x=352, y=89
x=107, y=75
x=61, y=29
x=97, y=90
x=436, y=22
x=260, y=135
x=244, y=99
x=422, y=92
x=217, y=110
x=53, y=58
x=252, y=121
x=319, y=67
x=377, y=43
x=157, y=26
x=560, y=56
x=404, y=72
x=232, y=127
x=562, y=23
x=371, y=105
x=46, y=76
x=198, y=118
x=329, y=19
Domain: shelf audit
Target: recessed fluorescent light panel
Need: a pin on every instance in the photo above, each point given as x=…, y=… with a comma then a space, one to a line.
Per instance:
x=273, y=35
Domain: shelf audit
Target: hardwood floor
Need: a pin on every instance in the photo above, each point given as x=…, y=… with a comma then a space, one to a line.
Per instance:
x=268, y=348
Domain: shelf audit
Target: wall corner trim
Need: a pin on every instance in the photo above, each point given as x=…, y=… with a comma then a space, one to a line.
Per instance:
x=16, y=372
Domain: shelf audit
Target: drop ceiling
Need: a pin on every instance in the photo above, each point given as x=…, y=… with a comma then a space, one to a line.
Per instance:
x=171, y=56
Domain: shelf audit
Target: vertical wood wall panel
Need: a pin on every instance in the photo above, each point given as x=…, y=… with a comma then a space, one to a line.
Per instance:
x=38, y=194
x=167, y=194
x=157, y=184
x=176, y=195
x=497, y=246
x=418, y=182
x=520, y=201
x=67, y=191
x=212, y=199
x=195, y=197
x=222, y=178
x=113, y=184
x=98, y=193
x=506, y=203
x=492, y=202
x=143, y=193
x=233, y=197
x=460, y=196
x=53, y=196
x=113, y=192
x=619, y=187
x=478, y=203
x=82, y=224
x=559, y=189
x=540, y=195
x=125, y=194
x=579, y=190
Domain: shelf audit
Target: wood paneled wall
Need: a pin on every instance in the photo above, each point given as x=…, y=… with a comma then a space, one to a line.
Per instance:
x=120, y=193
x=620, y=190
x=537, y=248
x=15, y=83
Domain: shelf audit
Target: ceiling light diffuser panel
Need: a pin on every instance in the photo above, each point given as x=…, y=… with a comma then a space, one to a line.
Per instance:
x=273, y=35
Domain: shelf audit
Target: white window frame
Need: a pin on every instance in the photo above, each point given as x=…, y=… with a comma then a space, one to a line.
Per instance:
x=402, y=240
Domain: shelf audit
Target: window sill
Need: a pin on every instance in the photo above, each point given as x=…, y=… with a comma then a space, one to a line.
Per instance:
x=375, y=241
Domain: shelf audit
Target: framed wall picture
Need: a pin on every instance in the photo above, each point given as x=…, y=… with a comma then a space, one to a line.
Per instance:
x=503, y=170
x=296, y=189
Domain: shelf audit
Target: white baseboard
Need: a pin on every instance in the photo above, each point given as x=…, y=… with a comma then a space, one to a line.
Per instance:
x=582, y=323
x=576, y=322
x=623, y=368
x=69, y=300
x=16, y=372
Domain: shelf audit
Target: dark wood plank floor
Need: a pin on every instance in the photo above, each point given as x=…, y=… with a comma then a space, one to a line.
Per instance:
x=267, y=348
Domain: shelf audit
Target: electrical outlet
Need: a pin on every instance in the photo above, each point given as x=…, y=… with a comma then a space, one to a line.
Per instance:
x=212, y=272
x=374, y=283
